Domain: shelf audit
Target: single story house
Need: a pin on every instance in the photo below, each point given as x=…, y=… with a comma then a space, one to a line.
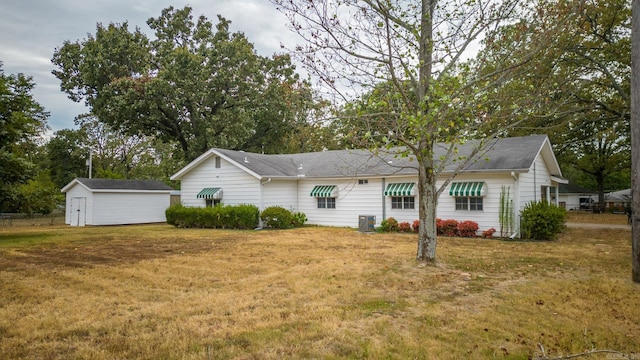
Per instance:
x=573, y=197
x=335, y=188
x=115, y=202
x=621, y=198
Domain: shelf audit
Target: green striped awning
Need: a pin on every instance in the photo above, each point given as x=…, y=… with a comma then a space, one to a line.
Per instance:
x=399, y=189
x=210, y=193
x=475, y=188
x=324, y=191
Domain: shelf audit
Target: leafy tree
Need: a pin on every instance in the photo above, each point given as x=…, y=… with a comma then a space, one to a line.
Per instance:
x=581, y=85
x=198, y=86
x=66, y=156
x=22, y=119
x=415, y=50
x=39, y=195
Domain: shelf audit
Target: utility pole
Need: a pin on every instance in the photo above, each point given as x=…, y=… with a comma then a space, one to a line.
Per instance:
x=635, y=140
x=90, y=162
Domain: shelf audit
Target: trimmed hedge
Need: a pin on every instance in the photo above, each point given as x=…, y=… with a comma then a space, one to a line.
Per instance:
x=217, y=217
x=467, y=228
x=447, y=227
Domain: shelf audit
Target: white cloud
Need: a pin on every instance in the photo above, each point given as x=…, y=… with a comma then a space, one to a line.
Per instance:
x=30, y=30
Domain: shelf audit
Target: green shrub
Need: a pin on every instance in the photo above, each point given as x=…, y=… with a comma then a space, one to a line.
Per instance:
x=541, y=221
x=217, y=217
x=389, y=225
x=277, y=217
x=299, y=219
x=247, y=216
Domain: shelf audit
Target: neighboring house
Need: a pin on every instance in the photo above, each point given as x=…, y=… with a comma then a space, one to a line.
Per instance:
x=619, y=199
x=115, y=202
x=573, y=197
x=335, y=187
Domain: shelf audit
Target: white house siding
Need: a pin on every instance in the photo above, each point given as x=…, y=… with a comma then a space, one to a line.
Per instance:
x=114, y=208
x=353, y=200
x=367, y=199
x=238, y=186
x=531, y=183
x=282, y=193
x=402, y=215
x=488, y=217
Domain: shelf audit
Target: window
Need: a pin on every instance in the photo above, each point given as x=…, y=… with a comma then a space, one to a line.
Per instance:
x=462, y=203
x=326, y=203
x=403, y=202
x=475, y=204
x=211, y=202
x=363, y=181
x=217, y=162
x=469, y=203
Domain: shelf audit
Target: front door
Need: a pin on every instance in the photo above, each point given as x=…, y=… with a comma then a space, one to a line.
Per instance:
x=77, y=211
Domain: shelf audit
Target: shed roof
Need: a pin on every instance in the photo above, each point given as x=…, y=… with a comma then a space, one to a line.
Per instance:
x=119, y=184
x=506, y=154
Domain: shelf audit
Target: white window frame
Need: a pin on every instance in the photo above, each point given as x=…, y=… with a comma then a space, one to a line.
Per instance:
x=403, y=202
x=326, y=202
x=464, y=203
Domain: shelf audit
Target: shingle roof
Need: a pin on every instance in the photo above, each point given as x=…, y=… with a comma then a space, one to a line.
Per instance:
x=118, y=184
x=573, y=189
x=506, y=154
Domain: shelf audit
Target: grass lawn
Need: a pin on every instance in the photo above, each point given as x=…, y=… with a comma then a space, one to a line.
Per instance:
x=591, y=218
x=157, y=292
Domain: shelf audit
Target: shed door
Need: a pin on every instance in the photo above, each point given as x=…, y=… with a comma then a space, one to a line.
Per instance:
x=78, y=211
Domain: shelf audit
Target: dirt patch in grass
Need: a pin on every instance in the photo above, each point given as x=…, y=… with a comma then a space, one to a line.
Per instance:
x=107, y=252
x=160, y=292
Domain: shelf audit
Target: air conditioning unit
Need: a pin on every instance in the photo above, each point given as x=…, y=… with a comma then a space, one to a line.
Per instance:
x=366, y=223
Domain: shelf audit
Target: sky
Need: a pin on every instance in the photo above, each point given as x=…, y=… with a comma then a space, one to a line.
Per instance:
x=30, y=31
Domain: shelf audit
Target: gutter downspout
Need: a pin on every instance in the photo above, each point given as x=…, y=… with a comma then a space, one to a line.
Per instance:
x=260, y=225
x=535, y=186
x=516, y=232
x=384, y=205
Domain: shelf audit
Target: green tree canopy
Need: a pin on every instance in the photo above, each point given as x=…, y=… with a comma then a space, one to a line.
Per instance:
x=194, y=84
x=22, y=119
x=579, y=84
x=66, y=156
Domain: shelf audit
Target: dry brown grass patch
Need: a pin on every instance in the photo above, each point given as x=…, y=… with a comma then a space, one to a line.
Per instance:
x=587, y=217
x=164, y=293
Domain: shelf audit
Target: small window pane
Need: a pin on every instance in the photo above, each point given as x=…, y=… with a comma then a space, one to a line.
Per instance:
x=475, y=204
x=396, y=202
x=409, y=202
x=322, y=203
x=462, y=203
x=331, y=203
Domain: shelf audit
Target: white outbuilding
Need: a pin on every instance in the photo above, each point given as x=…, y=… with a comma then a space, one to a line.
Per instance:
x=115, y=202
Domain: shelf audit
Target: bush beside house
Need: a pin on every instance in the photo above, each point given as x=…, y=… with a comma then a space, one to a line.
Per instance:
x=277, y=217
x=542, y=221
x=217, y=217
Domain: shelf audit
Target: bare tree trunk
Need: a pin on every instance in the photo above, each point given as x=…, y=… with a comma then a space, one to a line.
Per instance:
x=427, y=234
x=635, y=140
x=427, y=237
